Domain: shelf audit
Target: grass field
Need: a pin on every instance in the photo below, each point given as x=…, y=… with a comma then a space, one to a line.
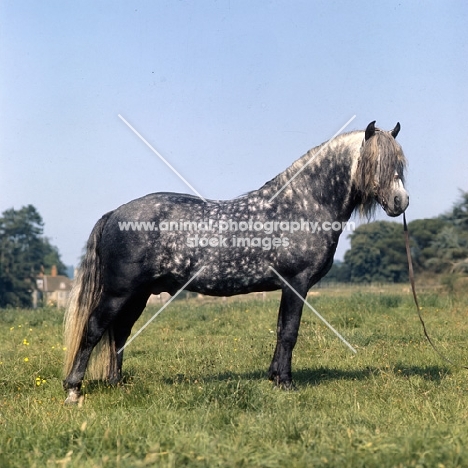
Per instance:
x=195, y=391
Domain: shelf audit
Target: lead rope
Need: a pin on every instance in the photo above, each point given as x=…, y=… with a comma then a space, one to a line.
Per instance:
x=413, y=288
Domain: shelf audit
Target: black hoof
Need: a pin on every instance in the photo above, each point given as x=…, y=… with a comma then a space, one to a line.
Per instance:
x=287, y=385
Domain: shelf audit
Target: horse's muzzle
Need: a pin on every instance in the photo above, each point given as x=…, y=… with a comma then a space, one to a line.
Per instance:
x=397, y=204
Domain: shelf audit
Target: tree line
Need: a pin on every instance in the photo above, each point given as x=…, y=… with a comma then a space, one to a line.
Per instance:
x=439, y=246
x=24, y=253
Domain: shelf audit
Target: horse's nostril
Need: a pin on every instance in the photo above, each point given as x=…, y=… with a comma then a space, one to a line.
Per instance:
x=397, y=201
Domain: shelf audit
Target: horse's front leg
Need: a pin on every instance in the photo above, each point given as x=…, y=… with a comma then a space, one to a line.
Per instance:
x=289, y=319
x=273, y=370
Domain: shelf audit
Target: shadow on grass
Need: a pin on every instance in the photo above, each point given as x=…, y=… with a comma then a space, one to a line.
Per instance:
x=432, y=373
x=221, y=377
x=91, y=385
x=313, y=377
x=301, y=377
x=317, y=376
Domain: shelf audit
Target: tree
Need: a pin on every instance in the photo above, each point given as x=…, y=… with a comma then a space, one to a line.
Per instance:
x=452, y=250
x=459, y=214
x=450, y=244
x=23, y=254
x=438, y=245
x=423, y=232
x=377, y=253
x=51, y=257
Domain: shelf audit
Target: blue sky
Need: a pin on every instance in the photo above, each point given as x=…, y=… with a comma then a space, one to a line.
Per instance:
x=230, y=92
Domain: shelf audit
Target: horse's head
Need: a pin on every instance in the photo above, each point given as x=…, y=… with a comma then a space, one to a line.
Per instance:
x=380, y=172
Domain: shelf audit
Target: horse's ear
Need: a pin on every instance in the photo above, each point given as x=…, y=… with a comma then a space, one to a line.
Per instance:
x=396, y=130
x=370, y=130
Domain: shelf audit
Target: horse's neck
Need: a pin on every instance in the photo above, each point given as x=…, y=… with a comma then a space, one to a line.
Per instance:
x=321, y=180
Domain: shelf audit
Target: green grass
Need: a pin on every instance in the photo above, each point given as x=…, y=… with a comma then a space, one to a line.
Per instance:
x=195, y=391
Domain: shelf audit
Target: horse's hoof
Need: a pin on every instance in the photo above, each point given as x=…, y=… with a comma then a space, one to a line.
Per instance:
x=74, y=397
x=287, y=386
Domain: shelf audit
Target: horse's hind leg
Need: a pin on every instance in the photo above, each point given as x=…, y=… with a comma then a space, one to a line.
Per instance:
x=99, y=321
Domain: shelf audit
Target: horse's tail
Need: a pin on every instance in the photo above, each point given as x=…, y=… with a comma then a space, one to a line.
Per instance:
x=84, y=298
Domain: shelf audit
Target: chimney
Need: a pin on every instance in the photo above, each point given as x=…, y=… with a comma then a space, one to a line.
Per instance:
x=53, y=270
